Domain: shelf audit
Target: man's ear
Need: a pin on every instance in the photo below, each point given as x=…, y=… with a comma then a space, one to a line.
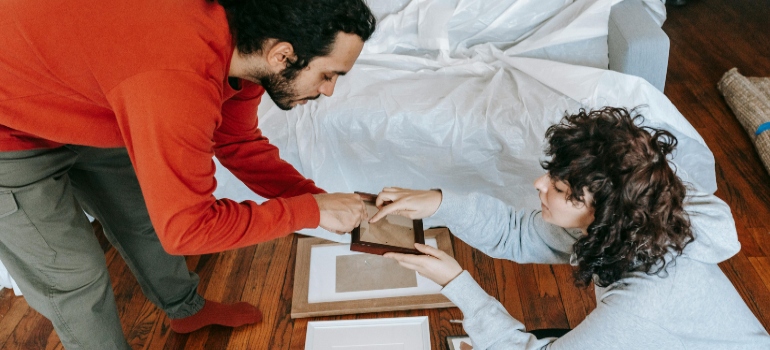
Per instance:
x=279, y=55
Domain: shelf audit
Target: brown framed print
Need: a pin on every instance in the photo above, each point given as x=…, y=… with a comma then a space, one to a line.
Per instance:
x=330, y=279
x=393, y=233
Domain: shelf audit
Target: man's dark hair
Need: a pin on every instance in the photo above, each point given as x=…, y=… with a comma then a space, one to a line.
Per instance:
x=639, y=215
x=310, y=26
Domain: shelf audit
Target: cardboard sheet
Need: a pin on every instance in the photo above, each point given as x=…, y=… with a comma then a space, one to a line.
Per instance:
x=362, y=272
x=392, y=230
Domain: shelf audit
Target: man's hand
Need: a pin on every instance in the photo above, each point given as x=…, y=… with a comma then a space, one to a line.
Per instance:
x=340, y=212
x=413, y=204
x=436, y=265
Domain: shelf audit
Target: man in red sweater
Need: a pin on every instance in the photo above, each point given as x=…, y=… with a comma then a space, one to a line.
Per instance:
x=118, y=107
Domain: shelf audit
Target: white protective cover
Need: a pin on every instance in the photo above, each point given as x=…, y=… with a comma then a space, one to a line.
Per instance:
x=457, y=94
x=6, y=281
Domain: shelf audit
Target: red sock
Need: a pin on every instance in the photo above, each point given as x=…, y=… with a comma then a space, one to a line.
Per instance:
x=228, y=315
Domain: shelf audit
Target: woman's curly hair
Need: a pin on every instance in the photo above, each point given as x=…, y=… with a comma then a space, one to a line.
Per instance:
x=637, y=198
x=310, y=26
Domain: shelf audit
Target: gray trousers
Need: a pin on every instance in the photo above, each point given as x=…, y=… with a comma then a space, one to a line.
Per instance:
x=49, y=247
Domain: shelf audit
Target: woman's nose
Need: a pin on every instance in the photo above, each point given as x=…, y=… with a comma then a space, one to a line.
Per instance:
x=541, y=183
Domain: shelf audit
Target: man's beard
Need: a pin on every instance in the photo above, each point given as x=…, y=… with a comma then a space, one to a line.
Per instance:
x=280, y=87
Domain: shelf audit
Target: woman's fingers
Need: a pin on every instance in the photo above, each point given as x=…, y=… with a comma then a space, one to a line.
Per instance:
x=385, y=197
x=410, y=261
x=436, y=265
x=392, y=189
x=409, y=266
x=396, y=207
x=426, y=249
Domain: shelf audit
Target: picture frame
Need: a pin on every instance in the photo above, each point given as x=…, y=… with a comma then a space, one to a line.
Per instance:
x=393, y=233
x=411, y=333
x=455, y=342
x=301, y=306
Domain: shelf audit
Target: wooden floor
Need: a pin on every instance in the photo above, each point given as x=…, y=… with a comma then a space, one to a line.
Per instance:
x=708, y=37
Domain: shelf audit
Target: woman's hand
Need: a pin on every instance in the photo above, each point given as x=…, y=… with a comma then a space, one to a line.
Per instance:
x=436, y=265
x=413, y=204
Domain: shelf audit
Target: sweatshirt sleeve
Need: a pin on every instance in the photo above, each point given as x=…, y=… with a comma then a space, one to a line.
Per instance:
x=241, y=148
x=491, y=327
x=485, y=320
x=167, y=119
x=501, y=231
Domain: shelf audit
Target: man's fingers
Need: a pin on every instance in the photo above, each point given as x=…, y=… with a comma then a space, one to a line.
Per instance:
x=364, y=214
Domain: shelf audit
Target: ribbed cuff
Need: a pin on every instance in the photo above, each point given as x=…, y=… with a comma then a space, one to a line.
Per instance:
x=305, y=212
x=466, y=294
x=451, y=205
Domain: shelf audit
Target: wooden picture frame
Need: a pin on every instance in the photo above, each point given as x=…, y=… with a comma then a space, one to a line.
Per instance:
x=411, y=333
x=360, y=242
x=455, y=342
x=301, y=308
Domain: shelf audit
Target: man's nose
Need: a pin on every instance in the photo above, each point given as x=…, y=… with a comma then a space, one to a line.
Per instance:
x=327, y=88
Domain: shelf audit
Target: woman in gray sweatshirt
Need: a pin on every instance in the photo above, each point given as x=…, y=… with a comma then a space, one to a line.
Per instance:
x=613, y=208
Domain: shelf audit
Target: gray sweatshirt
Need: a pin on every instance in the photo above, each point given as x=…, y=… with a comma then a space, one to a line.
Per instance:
x=694, y=306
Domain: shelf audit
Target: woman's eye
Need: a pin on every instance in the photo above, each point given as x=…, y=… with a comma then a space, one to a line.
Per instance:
x=556, y=188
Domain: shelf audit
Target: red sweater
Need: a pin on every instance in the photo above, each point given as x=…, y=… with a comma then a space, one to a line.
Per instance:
x=150, y=76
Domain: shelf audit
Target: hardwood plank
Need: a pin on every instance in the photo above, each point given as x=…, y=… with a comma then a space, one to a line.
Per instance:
x=142, y=329
x=270, y=272
x=578, y=302
x=749, y=284
x=30, y=332
x=441, y=327
x=749, y=246
x=53, y=342
x=542, y=303
x=762, y=238
x=762, y=266
x=508, y=287
x=15, y=311
x=282, y=334
x=159, y=334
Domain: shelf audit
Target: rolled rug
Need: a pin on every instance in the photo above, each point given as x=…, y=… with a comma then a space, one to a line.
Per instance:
x=749, y=98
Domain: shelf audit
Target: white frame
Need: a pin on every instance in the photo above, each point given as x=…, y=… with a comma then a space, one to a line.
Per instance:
x=360, y=334
x=323, y=276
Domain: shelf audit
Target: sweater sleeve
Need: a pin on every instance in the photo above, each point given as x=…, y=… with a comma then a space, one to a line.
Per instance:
x=241, y=148
x=491, y=327
x=501, y=231
x=167, y=119
x=486, y=321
